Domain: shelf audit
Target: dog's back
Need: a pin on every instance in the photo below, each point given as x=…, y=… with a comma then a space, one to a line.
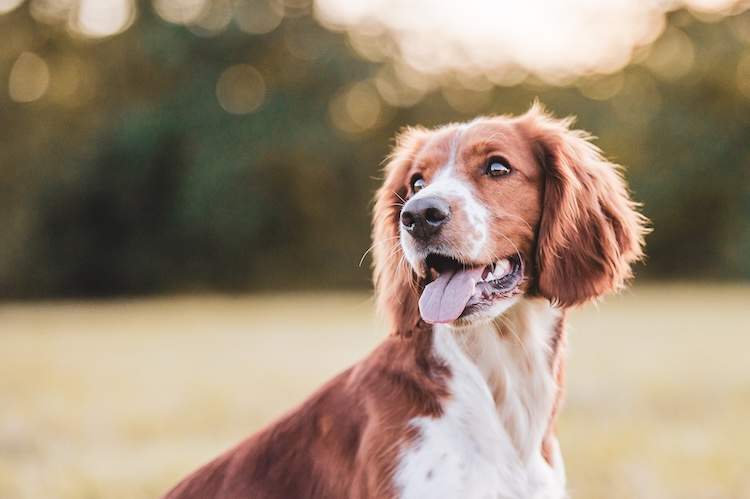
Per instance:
x=342, y=442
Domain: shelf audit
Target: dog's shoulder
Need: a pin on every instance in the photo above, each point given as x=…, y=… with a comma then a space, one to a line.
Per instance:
x=343, y=441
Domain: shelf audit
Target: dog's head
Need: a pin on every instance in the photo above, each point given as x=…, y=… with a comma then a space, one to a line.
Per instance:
x=471, y=216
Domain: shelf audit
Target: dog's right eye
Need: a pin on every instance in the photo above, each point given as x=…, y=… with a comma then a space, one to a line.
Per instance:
x=417, y=184
x=497, y=166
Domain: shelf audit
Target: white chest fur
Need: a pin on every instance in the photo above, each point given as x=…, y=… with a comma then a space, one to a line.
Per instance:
x=487, y=443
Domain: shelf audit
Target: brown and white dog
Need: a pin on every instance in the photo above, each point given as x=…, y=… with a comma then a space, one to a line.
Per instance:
x=484, y=233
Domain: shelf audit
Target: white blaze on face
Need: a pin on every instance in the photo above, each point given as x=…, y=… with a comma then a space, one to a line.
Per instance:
x=458, y=192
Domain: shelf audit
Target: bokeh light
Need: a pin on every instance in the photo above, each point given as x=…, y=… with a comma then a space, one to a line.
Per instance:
x=356, y=109
x=86, y=18
x=293, y=8
x=100, y=18
x=170, y=146
x=29, y=78
x=712, y=6
x=214, y=19
x=73, y=82
x=465, y=100
x=8, y=5
x=672, y=55
x=395, y=92
x=51, y=11
x=601, y=87
x=180, y=11
x=554, y=41
x=257, y=16
x=240, y=89
x=302, y=41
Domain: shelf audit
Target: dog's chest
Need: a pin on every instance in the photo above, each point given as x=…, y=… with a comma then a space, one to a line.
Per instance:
x=487, y=442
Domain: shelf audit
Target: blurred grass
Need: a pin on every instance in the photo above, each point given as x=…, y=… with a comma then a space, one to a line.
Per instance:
x=120, y=399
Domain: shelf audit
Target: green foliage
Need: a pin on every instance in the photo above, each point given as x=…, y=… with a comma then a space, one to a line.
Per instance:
x=140, y=182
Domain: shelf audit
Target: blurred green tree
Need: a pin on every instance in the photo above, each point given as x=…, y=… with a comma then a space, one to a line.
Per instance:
x=136, y=172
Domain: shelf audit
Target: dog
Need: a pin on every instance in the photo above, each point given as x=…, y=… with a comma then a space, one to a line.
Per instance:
x=485, y=233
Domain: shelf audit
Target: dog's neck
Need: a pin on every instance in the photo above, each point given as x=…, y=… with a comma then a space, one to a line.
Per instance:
x=516, y=355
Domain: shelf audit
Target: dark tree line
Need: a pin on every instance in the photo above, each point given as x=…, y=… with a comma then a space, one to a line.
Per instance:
x=139, y=182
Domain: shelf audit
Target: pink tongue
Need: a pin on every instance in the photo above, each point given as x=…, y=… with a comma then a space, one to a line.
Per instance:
x=445, y=298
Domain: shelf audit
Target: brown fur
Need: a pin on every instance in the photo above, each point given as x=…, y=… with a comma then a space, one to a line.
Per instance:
x=343, y=441
x=558, y=359
x=566, y=211
x=515, y=204
x=396, y=285
x=591, y=231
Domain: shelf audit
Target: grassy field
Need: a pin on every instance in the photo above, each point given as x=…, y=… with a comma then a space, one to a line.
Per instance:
x=120, y=399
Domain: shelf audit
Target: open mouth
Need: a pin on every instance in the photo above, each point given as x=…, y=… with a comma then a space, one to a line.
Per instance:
x=458, y=289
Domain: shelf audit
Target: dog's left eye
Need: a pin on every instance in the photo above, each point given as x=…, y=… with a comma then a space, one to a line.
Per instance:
x=497, y=167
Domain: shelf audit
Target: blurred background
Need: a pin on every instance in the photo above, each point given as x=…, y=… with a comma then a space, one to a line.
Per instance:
x=181, y=179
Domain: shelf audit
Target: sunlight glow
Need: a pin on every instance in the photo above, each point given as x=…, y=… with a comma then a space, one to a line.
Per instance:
x=8, y=5
x=100, y=18
x=556, y=41
x=718, y=6
x=86, y=18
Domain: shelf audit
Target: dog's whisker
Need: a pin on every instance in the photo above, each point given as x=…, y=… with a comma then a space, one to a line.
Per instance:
x=399, y=196
x=519, y=218
x=372, y=246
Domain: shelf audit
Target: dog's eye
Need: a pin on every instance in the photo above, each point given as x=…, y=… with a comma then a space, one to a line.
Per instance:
x=418, y=183
x=497, y=166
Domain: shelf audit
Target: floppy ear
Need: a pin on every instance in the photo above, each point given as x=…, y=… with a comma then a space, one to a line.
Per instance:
x=396, y=286
x=591, y=231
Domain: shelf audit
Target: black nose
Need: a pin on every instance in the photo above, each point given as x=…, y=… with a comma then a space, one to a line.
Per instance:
x=423, y=217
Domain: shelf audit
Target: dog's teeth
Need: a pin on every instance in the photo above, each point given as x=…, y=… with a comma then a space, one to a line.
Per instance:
x=501, y=268
x=490, y=277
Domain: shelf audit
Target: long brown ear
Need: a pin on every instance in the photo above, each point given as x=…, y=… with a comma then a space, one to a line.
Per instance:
x=591, y=231
x=396, y=286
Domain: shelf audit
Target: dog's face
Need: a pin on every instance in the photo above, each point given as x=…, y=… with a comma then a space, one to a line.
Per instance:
x=467, y=229
x=472, y=216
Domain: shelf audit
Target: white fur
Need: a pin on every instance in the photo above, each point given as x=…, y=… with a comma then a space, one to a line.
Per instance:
x=487, y=443
x=449, y=186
